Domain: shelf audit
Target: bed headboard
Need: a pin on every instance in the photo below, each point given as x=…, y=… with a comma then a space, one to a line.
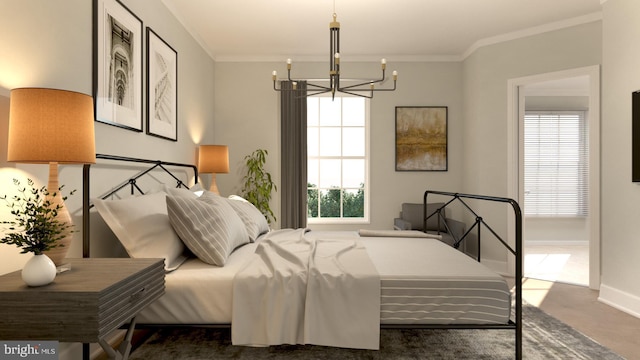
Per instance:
x=131, y=182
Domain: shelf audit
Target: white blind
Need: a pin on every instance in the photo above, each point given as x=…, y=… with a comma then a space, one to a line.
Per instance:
x=556, y=164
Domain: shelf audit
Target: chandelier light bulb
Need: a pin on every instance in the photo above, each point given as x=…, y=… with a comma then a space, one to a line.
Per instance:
x=274, y=74
x=383, y=61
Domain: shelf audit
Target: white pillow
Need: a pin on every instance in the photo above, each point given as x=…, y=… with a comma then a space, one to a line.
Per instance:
x=252, y=218
x=208, y=225
x=194, y=191
x=142, y=225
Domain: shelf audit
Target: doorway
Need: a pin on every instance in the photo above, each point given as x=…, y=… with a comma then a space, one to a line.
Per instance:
x=550, y=245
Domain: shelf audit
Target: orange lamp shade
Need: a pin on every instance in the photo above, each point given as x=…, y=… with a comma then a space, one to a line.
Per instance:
x=49, y=125
x=213, y=159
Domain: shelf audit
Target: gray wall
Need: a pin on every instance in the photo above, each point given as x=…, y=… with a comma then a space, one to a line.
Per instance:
x=247, y=108
x=486, y=74
x=49, y=44
x=620, y=197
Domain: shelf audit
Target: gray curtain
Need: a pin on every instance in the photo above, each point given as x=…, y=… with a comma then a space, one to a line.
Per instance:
x=293, y=108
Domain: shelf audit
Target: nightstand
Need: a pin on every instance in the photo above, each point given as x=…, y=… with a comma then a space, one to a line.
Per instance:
x=95, y=297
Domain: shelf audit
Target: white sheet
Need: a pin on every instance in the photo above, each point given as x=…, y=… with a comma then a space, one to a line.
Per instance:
x=302, y=291
x=198, y=293
x=397, y=233
x=425, y=281
x=409, y=268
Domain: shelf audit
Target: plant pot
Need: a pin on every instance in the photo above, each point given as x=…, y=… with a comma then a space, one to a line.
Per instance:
x=39, y=271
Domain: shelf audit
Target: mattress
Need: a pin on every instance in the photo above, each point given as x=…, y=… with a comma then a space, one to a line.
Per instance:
x=423, y=281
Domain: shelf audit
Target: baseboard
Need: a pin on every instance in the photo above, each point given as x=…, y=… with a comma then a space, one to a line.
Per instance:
x=620, y=300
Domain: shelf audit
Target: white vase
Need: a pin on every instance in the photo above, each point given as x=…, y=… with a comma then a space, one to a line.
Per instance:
x=39, y=271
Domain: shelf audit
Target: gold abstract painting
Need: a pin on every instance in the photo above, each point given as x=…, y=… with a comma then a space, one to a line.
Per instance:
x=421, y=138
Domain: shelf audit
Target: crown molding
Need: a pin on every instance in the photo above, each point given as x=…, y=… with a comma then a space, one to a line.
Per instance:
x=585, y=19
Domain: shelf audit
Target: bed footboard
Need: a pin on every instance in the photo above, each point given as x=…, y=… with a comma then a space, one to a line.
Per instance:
x=515, y=250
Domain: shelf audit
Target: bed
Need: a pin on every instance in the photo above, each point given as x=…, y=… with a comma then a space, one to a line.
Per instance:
x=295, y=286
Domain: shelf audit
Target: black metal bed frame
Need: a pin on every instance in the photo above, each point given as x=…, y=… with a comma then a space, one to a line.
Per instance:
x=131, y=182
x=515, y=325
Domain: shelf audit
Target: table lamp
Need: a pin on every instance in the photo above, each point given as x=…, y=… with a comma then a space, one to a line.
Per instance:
x=49, y=126
x=213, y=159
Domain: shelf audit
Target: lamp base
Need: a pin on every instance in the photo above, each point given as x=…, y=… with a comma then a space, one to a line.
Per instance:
x=214, y=187
x=58, y=254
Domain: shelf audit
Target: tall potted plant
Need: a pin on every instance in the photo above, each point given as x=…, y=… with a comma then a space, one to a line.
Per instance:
x=35, y=229
x=258, y=185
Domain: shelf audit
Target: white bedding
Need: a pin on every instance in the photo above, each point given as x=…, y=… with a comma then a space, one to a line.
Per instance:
x=299, y=290
x=198, y=293
x=422, y=280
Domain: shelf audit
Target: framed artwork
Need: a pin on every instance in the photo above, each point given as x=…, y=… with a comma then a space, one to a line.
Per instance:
x=162, y=88
x=421, y=138
x=117, y=65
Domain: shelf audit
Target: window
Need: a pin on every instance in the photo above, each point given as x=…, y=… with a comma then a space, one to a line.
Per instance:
x=556, y=163
x=337, y=159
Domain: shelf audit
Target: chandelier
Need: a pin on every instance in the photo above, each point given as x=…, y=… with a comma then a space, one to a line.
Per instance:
x=362, y=88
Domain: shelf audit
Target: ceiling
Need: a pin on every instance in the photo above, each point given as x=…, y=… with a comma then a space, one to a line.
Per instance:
x=400, y=30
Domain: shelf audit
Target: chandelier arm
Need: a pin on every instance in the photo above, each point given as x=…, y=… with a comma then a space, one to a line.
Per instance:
x=369, y=89
x=370, y=96
x=317, y=87
x=316, y=93
x=368, y=82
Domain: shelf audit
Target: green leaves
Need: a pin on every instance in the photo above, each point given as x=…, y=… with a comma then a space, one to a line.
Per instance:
x=35, y=227
x=258, y=184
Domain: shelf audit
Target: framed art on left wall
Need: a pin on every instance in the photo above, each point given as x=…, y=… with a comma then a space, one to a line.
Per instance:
x=162, y=88
x=117, y=65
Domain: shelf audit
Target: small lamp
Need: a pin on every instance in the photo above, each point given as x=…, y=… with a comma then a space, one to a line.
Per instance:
x=213, y=159
x=51, y=126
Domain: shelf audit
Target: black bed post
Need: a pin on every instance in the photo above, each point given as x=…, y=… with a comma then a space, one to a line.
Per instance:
x=85, y=212
x=518, y=219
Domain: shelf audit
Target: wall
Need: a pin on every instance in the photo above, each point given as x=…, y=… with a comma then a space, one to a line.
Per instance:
x=485, y=76
x=247, y=117
x=620, y=197
x=49, y=44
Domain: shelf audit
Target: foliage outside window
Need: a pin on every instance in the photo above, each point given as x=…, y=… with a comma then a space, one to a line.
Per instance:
x=337, y=159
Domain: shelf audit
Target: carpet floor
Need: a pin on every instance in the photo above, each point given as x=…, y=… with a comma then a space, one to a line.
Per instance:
x=544, y=337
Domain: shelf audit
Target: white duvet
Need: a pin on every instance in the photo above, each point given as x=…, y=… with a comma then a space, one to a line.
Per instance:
x=303, y=290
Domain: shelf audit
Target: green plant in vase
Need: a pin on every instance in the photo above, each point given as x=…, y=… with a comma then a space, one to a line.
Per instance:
x=258, y=184
x=35, y=227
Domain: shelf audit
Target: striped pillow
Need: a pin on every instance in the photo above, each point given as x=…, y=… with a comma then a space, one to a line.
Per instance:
x=207, y=225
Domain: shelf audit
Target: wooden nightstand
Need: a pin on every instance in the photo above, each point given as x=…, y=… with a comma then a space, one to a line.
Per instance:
x=84, y=304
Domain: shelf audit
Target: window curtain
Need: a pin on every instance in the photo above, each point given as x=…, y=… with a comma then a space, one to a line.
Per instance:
x=293, y=108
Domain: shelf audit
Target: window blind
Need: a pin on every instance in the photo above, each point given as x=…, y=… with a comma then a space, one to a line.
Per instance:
x=556, y=163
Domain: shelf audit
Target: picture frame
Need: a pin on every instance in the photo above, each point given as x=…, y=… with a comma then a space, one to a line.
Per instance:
x=117, y=65
x=162, y=88
x=421, y=138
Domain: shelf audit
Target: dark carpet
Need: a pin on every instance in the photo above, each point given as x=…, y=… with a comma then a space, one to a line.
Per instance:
x=544, y=337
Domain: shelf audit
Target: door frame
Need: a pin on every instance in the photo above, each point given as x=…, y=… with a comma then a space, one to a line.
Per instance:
x=515, y=153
